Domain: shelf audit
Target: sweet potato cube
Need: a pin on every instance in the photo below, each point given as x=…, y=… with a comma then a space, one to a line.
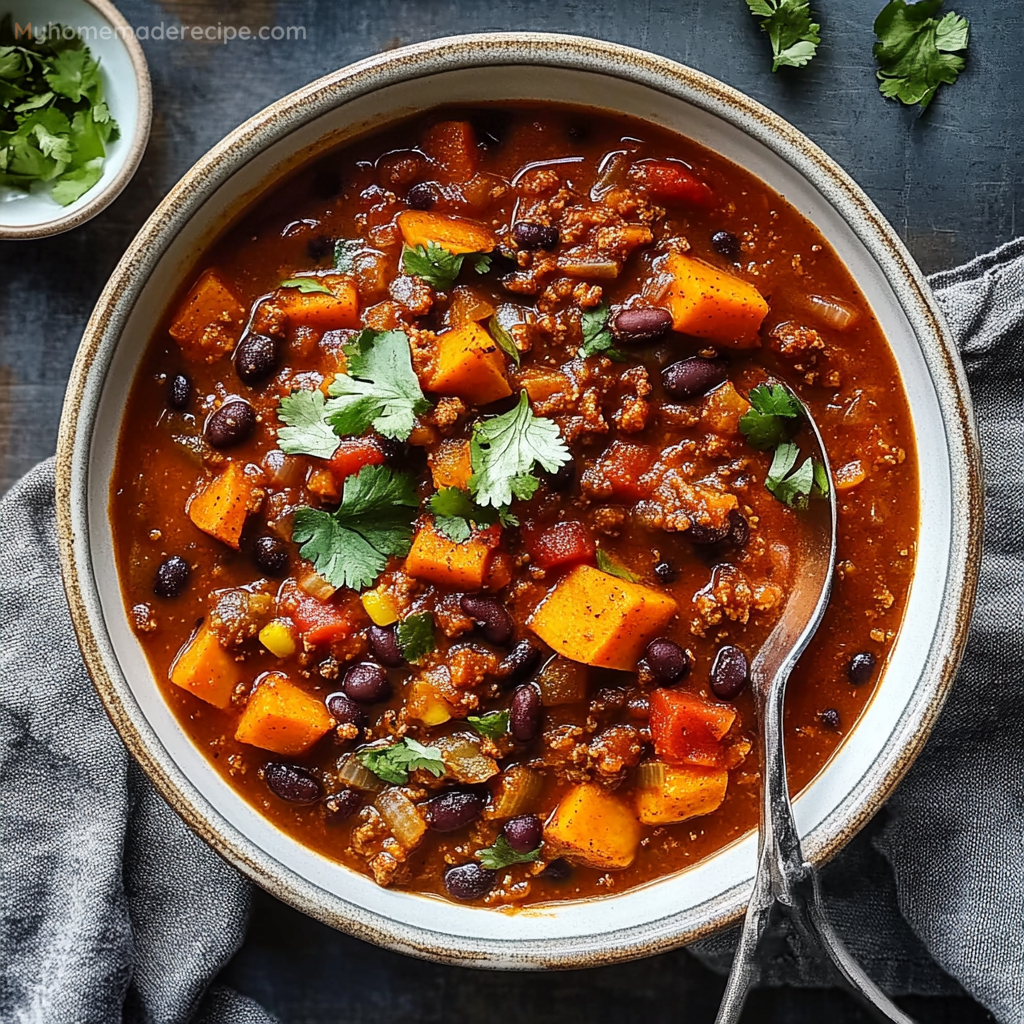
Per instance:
x=593, y=827
x=206, y=670
x=419, y=227
x=709, y=303
x=220, y=508
x=723, y=409
x=282, y=718
x=470, y=366
x=452, y=146
x=436, y=559
x=320, y=310
x=601, y=620
x=209, y=322
x=450, y=464
x=685, y=792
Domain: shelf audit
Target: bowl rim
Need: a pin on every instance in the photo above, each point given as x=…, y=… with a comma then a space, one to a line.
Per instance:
x=113, y=188
x=489, y=49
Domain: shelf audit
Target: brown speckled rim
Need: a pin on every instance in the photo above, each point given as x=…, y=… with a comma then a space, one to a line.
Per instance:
x=112, y=189
x=575, y=53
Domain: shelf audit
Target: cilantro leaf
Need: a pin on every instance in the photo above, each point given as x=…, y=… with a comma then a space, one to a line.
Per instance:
x=455, y=514
x=773, y=413
x=72, y=185
x=607, y=564
x=597, y=335
x=438, y=266
x=504, y=451
x=393, y=764
x=350, y=547
x=307, y=432
x=501, y=855
x=794, y=485
x=381, y=388
x=345, y=252
x=493, y=725
x=306, y=285
x=415, y=636
x=916, y=52
x=794, y=37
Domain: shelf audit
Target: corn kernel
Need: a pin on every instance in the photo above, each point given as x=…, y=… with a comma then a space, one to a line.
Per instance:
x=423, y=704
x=381, y=606
x=279, y=638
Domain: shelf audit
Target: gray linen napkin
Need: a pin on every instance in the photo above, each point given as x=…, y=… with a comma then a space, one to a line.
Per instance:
x=110, y=910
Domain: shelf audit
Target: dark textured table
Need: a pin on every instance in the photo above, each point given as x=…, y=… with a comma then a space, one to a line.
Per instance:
x=948, y=180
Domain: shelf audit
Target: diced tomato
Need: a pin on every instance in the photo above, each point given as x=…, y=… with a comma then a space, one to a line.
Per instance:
x=687, y=729
x=321, y=622
x=672, y=181
x=617, y=471
x=352, y=454
x=567, y=543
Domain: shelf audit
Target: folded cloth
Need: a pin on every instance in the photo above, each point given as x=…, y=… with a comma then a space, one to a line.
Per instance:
x=111, y=910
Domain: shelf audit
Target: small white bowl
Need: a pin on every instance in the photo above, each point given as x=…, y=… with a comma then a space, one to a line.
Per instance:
x=126, y=90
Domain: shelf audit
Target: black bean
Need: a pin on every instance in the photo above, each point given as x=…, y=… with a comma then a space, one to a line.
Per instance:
x=739, y=529
x=452, y=810
x=701, y=533
x=861, y=667
x=563, y=477
x=291, y=783
x=346, y=711
x=528, y=235
x=557, y=870
x=490, y=616
x=342, y=805
x=642, y=323
x=665, y=572
x=422, y=196
x=729, y=672
x=690, y=378
x=523, y=833
x=393, y=451
x=503, y=262
x=726, y=244
x=231, y=424
x=171, y=577
x=180, y=392
x=468, y=881
x=524, y=713
x=271, y=555
x=384, y=646
x=830, y=719
x=255, y=358
x=520, y=663
x=667, y=661
x=367, y=683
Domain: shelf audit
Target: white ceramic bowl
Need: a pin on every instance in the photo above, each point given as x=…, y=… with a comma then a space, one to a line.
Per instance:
x=127, y=92
x=678, y=908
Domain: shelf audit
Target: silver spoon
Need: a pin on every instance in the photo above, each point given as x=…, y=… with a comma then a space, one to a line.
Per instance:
x=786, y=883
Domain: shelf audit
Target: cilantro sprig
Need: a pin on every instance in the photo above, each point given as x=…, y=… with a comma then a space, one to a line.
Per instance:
x=415, y=636
x=394, y=764
x=773, y=414
x=794, y=485
x=54, y=123
x=438, y=266
x=788, y=25
x=597, y=335
x=493, y=725
x=350, y=546
x=505, y=449
x=456, y=514
x=501, y=855
x=917, y=52
x=607, y=564
x=306, y=285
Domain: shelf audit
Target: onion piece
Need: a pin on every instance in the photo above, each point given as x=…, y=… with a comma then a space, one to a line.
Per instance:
x=312, y=583
x=352, y=773
x=610, y=173
x=832, y=312
x=562, y=681
x=650, y=775
x=463, y=760
x=402, y=817
x=517, y=792
x=575, y=266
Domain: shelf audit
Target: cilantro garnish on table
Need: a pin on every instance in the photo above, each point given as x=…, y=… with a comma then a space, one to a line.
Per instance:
x=54, y=123
x=501, y=855
x=438, y=266
x=917, y=52
x=393, y=764
x=597, y=335
x=793, y=485
x=773, y=414
x=415, y=636
x=504, y=451
x=607, y=564
x=493, y=725
x=787, y=23
x=350, y=546
x=456, y=514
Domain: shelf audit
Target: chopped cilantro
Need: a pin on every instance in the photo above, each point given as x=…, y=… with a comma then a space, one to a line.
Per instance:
x=493, y=725
x=501, y=855
x=597, y=335
x=350, y=547
x=791, y=484
x=505, y=341
x=437, y=266
x=774, y=412
x=306, y=285
x=794, y=37
x=54, y=125
x=345, y=252
x=504, y=451
x=916, y=52
x=415, y=636
x=456, y=513
x=306, y=431
x=393, y=764
x=607, y=564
